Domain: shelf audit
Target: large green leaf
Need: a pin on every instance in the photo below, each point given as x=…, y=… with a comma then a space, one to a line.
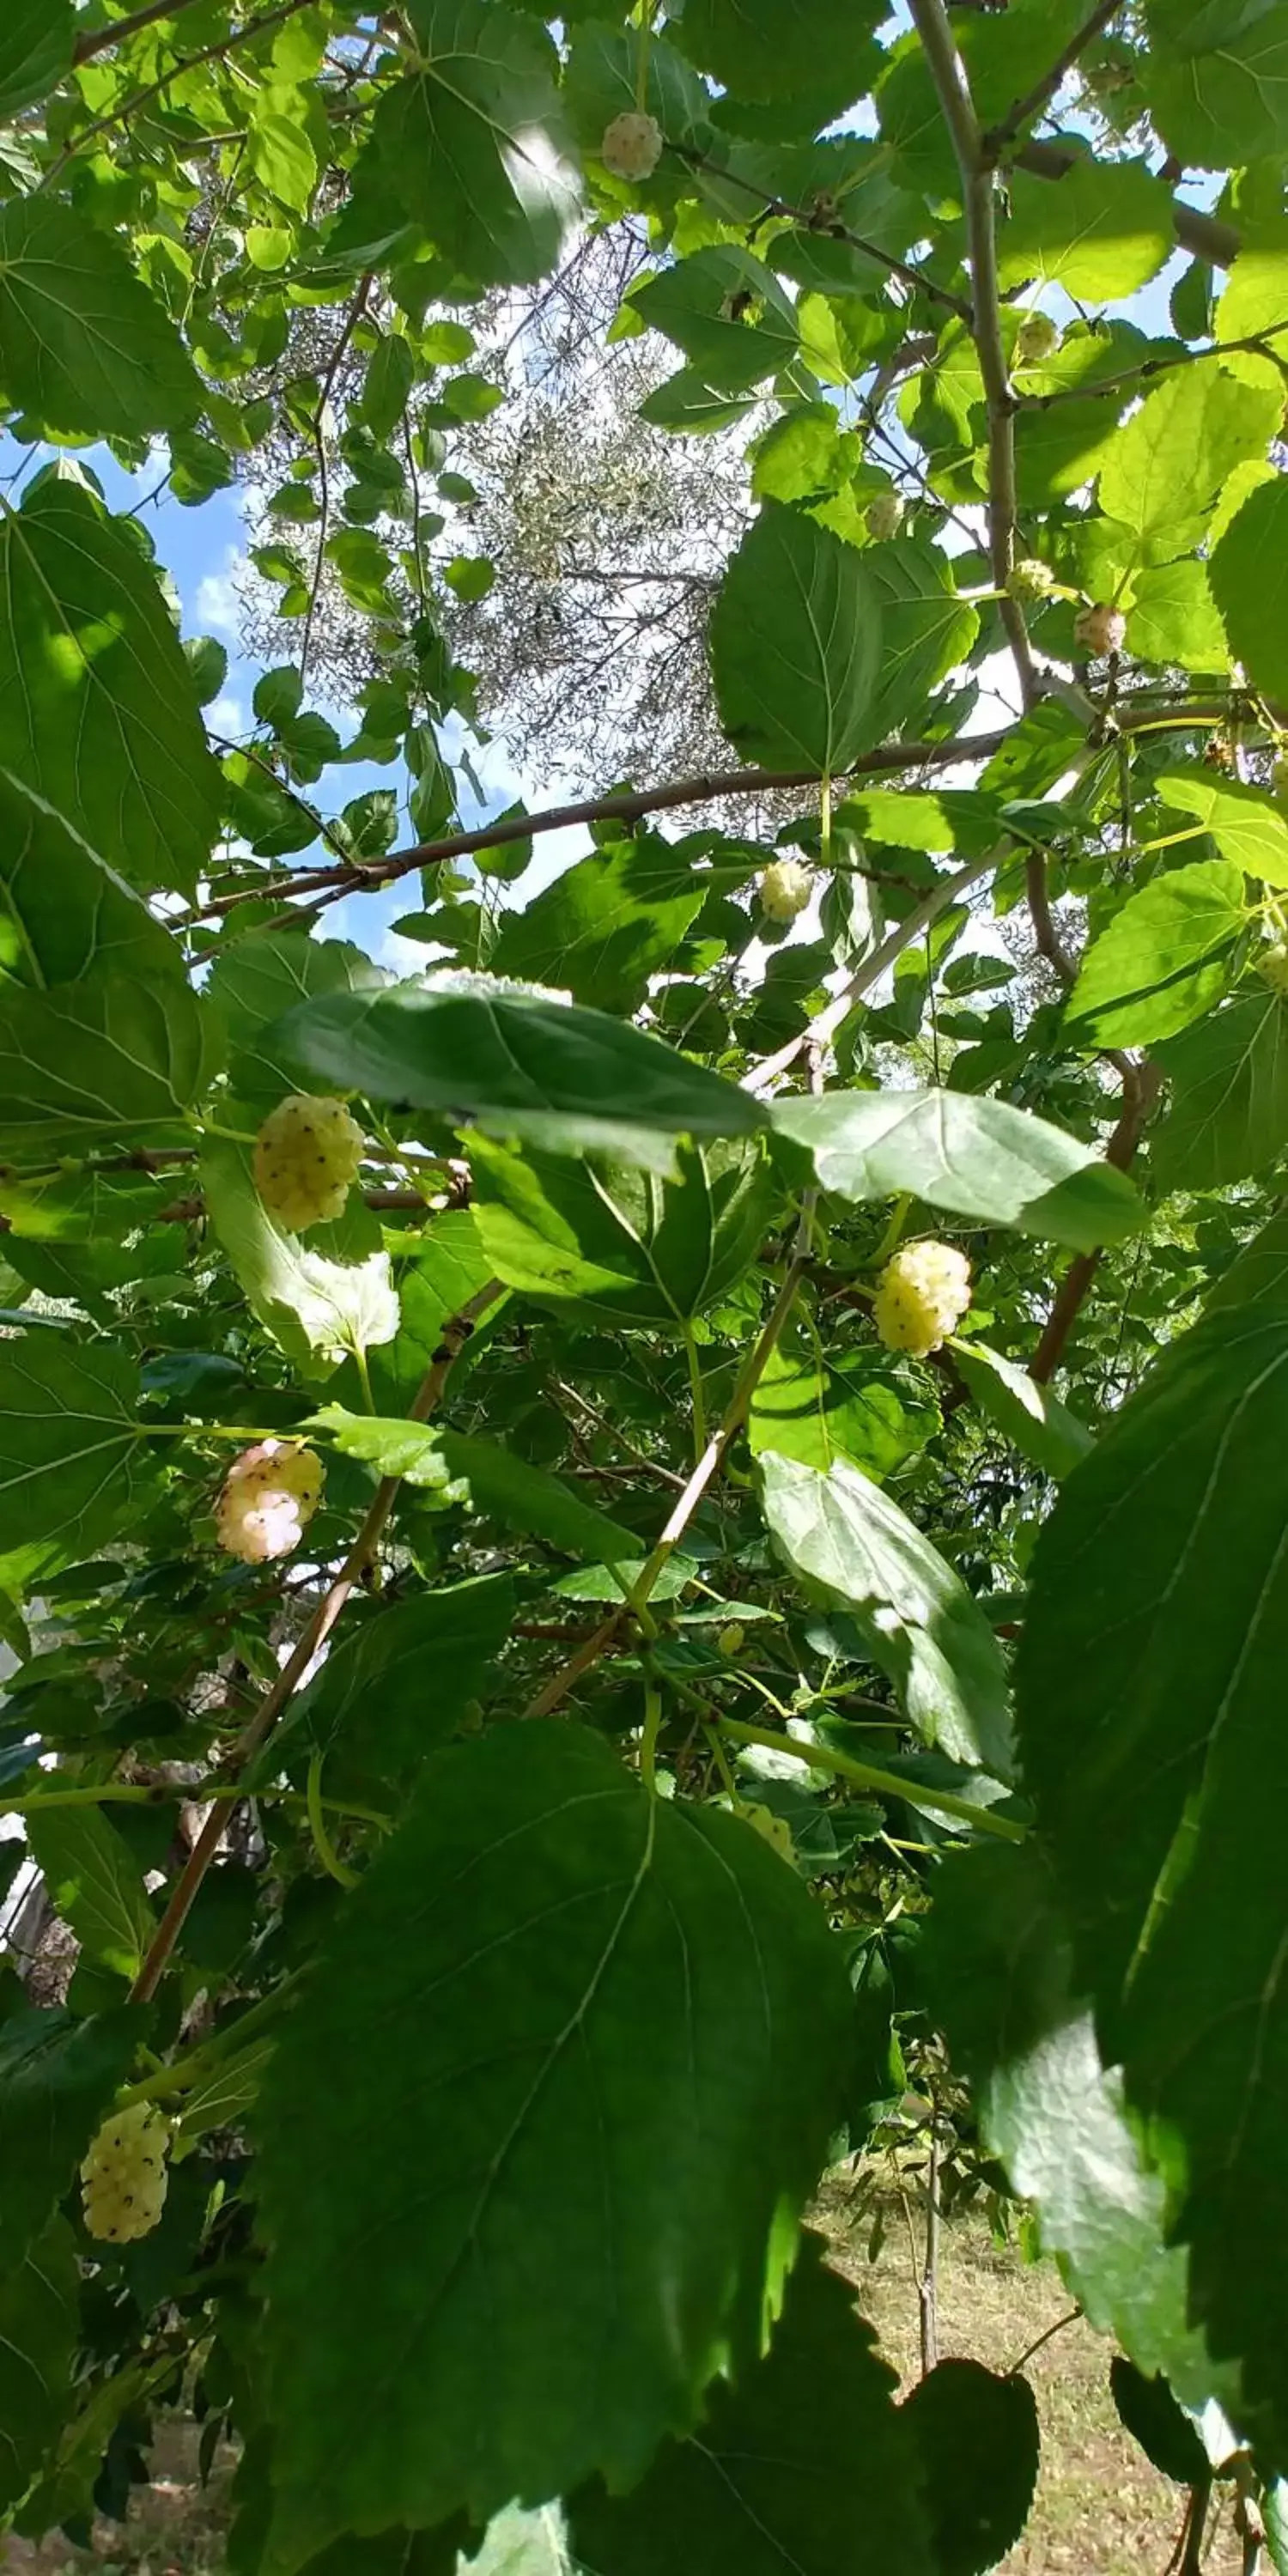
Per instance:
x=699, y=303
x=1173, y=617
x=1247, y=576
x=515, y=1063
x=393, y=1690
x=977, y=2444
x=978, y=1158
x=1217, y=80
x=817, y=54
x=320, y=1300
x=796, y=645
x=1150, y=1693
x=94, y=1063
x=63, y=911
x=58, y=2074
x=1162, y=961
x=1167, y=464
x=926, y=630
x=39, y=2332
x=1035, y=1420
x=619, y=1245
x=84, y=349
x=999, y=1976
x=258, y=981
x=472, y=144
x=1103, y=232
x=843, y=1534
x=494, y=1479
x=94, y=1884
x=1229, y=1097
x=806, y=2464
x=35, y=51
x=604, y=926
x=1247, y=826
x=97, y=704
x=553, y=2176
x=73, y=1465
x=866, y=1405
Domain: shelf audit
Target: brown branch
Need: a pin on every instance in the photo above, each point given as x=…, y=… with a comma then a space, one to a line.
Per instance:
x=355, y=877
x=101, y=39
x=1046, y=937
x=1043, y=91
x=1141, y=1083
x=456, y=1333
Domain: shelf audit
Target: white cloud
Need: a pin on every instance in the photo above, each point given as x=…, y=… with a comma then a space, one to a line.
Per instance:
x=218, y=606
x=227, y=716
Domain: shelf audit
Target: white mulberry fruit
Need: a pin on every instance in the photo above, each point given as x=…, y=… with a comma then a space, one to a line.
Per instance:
x=1273, y=965
x=1030, y=581
x=922, y=1294
x=884, y=516
x=1038, y=337
x=632, y=145
x=731, y=1640
x=1101, y=629
x=785, y=889
x=123, y=2177
x=269, y=1494
x=772, y=1829
x=307, y=1155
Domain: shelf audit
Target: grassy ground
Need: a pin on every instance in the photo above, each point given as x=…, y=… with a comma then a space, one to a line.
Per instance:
x=1100, y=2509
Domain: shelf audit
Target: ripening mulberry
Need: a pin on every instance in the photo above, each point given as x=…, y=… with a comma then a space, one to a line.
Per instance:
x=307, y=1155
x=772, y=1829
x=1037, y=338
x=1273, y=965
x=632, y=145
x=785, y=889
x=1101, y=629
x=269, y=1494
x=884, y=516
x=921, y=1296
x=123, y=2177
x=1030, y=581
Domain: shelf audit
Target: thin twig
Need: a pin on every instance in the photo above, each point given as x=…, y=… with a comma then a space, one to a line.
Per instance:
x=456, y=1333
x=831, y=228
x=1043, y=91
x=100, y=40
x=1157, y=366
x=129, y=107
x=354, y=315
x=1141, y=1085
x=1047, y=2336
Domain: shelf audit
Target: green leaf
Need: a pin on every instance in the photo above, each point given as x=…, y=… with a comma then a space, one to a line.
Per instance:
x=1217, y=81
x=698, y=302
x=73, y=1466
x=1247, y=577
x=391, y=373
x=805, y=2464
x=865, y=1405
x=1151, y=2415
x=317, y=1304
x=977, y=2444
x=1173, y=617
x=64, y=912
x=83, y=1062
x=58, y=2074
x=97, y=705
x=1159, y=1587
x=35, y=52
x=998, y=1973
x=448, y=1268
x=1229, y=1097
x=926, y=630
x=604, y=926
x=1163, y=960
x=257, y=982
x=1247, y=826
x=39, y=2332
x=94, y=1884
x=393, y=1691
x=1260, y=1275
x=1167, y=464
x=547, y=1996
x=514, y=1063
x=495, y=1480
x=279, y=148
x=472, y=142
x=1104, y=231
x=796, y=645
x=84, y=349
x=618, y=1245
x=842, y=1533
x=1034, y=1420
x=816, y=50
x=978, y=1158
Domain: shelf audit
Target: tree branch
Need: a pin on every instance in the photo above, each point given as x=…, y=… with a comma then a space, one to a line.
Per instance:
x=336, y=361
x=831, y=228
x=1043, y=91
x=1153, y=367
x=948, y=73
x=456, y=1333
x=129, y=107
x=100, y=40
x=353, y=877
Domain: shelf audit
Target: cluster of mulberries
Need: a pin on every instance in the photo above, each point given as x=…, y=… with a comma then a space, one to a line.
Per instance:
x=307, y=1156
x=632, y=145
x=785, y=889
x=268, y=1495
x=922, y=1294
x=123, y=2177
